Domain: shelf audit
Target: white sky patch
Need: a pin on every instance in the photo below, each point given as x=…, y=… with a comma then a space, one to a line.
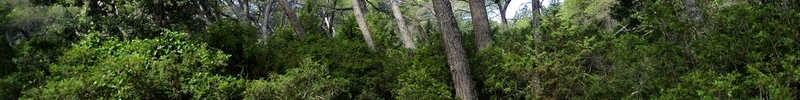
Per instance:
x=515, y=6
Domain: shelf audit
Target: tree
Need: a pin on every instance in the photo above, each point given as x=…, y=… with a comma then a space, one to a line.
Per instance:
x=362, y=23
x=266, y=9
x=405, y=36
x=456, y=55
x=136, y=69
x=236, y=11
x=502, y=6
x=287, y=9
x=480, y=23
x=535, y=84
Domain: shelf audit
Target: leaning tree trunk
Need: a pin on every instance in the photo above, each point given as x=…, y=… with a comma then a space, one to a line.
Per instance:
x=287, y=9
x=480, y=23
x=362, y=24
x=456, y=55
x=405, y=36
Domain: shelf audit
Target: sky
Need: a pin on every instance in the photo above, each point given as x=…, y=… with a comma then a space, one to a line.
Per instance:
x=515, y=5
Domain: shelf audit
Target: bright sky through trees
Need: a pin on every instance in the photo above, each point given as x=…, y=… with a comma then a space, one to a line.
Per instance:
x=515, y=6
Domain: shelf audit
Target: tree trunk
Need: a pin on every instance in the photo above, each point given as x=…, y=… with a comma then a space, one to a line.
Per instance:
x=503, y=7
x=287, y=9
x=327, y=17
x=246, y=12
x=236, y=11
x=535, y=84
x=201, y=12
x=536, y=6
x=405, y=36
x=503, y=19
x=456, y=55
x=362, y=24
x=480, y=23
x=264, y=26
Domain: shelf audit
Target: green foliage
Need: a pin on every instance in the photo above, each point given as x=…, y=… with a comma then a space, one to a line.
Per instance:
x=421, y=76
x=7, y=54
x=310, y=81
x=419, y=83
x=757, y=62
x=107, y=68
x=589, y=49
x=248, y=56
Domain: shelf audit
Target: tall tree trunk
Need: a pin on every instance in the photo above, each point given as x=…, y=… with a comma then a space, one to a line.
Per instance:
x=362, y=24
x=456, y=55
x=405, y=36
x=287, y=9
x=480, y=23
x=535, y=84
x=536, y=6
x=264, y=26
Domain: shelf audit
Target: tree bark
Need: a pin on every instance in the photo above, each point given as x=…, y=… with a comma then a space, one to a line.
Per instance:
x=456, y=55
x=480, y=23
x=502, y=5
x=405, y=36
x=201, y=13
x=536, y=6
x=245, y=4
x=264, y=26
x=362, y=24
x=328, y=15
x=298, y=28
x=535, y=84
x=236, y=11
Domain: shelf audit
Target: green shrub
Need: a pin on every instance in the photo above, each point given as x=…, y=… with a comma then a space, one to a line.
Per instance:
x=167, y=67
x=309, y=81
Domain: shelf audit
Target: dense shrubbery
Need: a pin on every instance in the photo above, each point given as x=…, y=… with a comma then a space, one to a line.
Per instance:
x=744, y=50
x=97, y=68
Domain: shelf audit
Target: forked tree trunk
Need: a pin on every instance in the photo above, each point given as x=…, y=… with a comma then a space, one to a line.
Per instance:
x=287, y=9
x=405, y=36
x=362, y=24
x=456, y=55
x=502, y=5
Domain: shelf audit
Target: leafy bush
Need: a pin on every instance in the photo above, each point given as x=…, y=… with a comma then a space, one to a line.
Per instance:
x=248, y=56
x=310, y=81
x=167, y=67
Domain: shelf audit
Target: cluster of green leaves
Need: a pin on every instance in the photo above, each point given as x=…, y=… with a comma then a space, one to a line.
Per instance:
x=310, y=81
x=751, y=53
x=746, y=51
x=109, y=68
